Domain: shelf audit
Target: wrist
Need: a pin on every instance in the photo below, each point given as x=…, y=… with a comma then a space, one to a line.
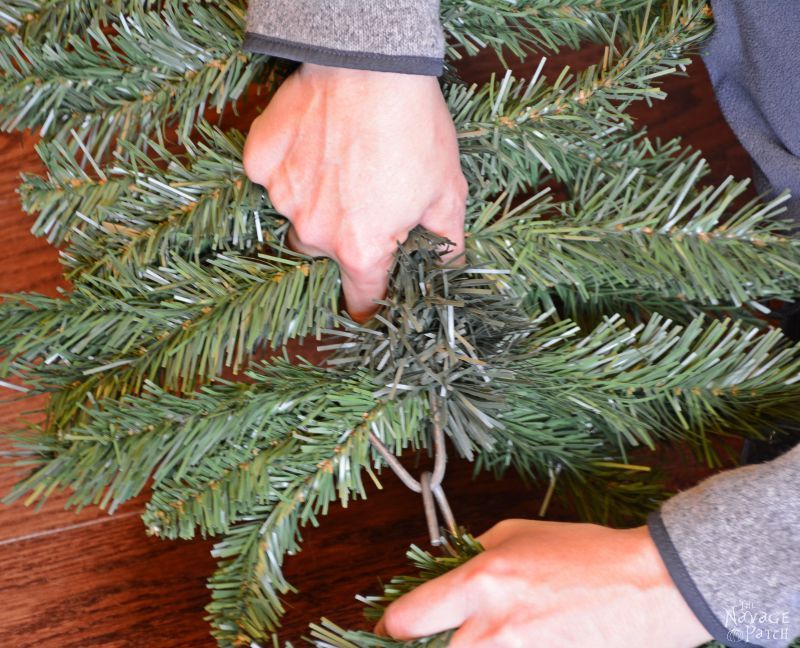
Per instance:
x=651, y=574
x=332, y=72
x=314, y=69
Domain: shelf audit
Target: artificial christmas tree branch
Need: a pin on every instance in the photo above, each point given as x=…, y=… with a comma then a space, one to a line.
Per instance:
x=33, y=19
x=160, y=68
x=530, y=25
x=154, y=323
x=246, y=603
x=517, y=133
x=454, y=331
x=148, y=204
x=665, y=236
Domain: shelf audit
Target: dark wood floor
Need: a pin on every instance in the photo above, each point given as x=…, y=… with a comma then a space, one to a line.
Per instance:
x=87, y=579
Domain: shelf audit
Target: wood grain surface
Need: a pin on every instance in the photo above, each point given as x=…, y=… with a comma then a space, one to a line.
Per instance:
x=87, y=579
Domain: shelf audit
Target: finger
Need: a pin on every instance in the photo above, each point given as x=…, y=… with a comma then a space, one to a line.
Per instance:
x=446, y=218
x=435, y=606
x=470, y=635
x=380, y=629
x=365, y=257
x=281, y=195
x=501, y=532
x=294, y=243
x=266, y=145
x=361, y=288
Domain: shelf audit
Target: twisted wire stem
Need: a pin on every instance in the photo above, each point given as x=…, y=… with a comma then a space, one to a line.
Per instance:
x=429, y=483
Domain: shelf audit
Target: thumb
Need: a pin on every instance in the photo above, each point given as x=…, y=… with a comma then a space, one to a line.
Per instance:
x=441, y=604
x=471, y=634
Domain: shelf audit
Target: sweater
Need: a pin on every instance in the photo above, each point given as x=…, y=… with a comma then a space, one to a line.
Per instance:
x=752, y=59
x=732, y=546
x=732, y=543
x=380, y=35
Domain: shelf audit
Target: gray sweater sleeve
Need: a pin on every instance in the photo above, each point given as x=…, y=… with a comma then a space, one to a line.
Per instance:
x=382, y=35
x=732, y=546
x=752, y=59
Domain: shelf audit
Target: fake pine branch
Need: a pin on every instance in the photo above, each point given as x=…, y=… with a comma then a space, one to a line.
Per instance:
x=34, y=19
x=181, y=328
x=528, y=25
x=248, y=584
x=157, y=69
x=327, y=634
x=147, y=206
x=516, y=133
x=666, y=235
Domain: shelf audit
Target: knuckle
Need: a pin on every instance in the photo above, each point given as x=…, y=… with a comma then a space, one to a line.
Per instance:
x=461, y=188
x=305, y=230
x=280, y=198
x=251, y=164
x=497, y=565
x=480, y=582
x=490, y=567
x=300, y=168
x=483, y=571
x=362, y=259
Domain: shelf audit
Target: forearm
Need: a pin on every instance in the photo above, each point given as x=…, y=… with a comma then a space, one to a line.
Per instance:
x=732, y=546
x=381, y=35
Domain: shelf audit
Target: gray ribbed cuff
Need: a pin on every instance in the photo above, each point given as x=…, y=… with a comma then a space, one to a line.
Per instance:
x=404, y=36
x=687, y=587
x=272, y=46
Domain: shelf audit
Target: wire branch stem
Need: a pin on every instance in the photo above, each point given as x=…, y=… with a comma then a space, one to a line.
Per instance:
x=429, y=483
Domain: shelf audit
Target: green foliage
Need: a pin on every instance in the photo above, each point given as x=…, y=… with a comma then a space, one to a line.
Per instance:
x=33, y=19
x=615, y=314
x=658, y=235
x=147, y=206
x=157, y=69
x=324, y=465
x=182, y=324
x=517, y=133
x=529, y=25
x=327, y=634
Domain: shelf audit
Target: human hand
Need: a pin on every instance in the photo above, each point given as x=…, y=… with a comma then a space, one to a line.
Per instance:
x=355, y=160
x=553, y=584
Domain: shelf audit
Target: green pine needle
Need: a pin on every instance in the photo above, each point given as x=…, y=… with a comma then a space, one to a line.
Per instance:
x=327, y=634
